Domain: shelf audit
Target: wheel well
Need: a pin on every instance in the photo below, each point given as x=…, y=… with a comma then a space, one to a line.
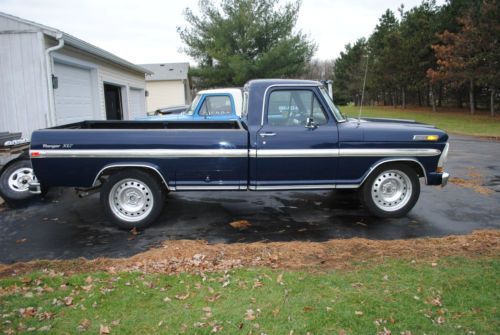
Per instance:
x=20, y=157
x=109, y=170
x=415, y=165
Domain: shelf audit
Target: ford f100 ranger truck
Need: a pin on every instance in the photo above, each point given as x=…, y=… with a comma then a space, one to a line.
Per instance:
x=291, y=137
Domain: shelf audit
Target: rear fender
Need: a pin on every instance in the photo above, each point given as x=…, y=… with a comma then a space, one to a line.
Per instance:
x=119, y=166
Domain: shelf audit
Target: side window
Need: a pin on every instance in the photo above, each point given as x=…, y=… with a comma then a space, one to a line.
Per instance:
x=216, y=105
x=293, y=108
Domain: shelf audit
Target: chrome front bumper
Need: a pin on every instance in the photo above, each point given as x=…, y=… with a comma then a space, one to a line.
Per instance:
x=444, y=179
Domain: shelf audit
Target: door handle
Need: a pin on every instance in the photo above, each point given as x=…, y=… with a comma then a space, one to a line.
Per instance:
x=267, y=134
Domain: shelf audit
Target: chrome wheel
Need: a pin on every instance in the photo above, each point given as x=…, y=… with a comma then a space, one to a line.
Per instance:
x=131, y=200
x=20, y=178
x=391, y=190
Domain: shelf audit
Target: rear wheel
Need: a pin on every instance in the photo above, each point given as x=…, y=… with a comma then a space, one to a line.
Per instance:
x=391, y=190
x=132, y=198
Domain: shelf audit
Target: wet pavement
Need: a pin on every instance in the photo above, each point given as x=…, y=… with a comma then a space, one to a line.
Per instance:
x=63, y=226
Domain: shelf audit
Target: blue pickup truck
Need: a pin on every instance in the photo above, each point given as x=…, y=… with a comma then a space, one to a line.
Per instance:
x=291, y=137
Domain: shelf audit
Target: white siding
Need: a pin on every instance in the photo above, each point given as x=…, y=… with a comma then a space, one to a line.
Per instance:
x=165, y=93
x=23, y=88
x=8, y=24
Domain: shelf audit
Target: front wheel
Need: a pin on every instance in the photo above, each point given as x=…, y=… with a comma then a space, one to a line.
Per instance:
x=132, y=198
x=391, y=190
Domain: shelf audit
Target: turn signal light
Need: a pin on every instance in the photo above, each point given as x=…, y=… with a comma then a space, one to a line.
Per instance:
x=426, y=137
x=440, y=170
x=35, y=154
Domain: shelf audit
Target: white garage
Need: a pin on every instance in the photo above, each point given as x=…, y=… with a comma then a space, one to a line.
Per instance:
x=51, y=78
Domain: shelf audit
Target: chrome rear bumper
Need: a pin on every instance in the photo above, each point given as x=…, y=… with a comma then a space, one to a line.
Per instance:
x=35, y=188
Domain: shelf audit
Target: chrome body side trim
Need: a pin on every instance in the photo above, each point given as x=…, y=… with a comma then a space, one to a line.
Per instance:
x=292, y=187
x=210, y=187
x=238, y=153
x=125, y=165
x=277, y=153
x=347, y=186
x=139, y=153
x=407, y=152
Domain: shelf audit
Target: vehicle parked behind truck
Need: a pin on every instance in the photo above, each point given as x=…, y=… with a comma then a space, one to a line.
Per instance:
x=291, y=137
x=208, y=105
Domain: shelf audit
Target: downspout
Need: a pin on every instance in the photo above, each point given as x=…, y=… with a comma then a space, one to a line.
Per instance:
x=48, y=60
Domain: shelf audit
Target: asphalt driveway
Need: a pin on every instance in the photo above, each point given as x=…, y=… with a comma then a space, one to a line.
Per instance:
x=63, y=226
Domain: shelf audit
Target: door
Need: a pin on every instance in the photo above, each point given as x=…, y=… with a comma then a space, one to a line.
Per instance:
x=297, y=146
x=137, y=104
x=73, y=96
x=113, y=101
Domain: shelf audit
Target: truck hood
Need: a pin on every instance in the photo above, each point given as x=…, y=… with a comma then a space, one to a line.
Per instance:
x=386, y=130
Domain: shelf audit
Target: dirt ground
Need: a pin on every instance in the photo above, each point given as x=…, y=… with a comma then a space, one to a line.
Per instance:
x=199, y=256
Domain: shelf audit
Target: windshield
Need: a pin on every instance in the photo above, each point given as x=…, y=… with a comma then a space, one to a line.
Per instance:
x=338, y=115
x=193, y=105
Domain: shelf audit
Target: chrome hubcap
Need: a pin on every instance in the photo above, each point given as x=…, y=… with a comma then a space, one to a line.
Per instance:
x=20, y=179
x=391, y=190
x=131, y=200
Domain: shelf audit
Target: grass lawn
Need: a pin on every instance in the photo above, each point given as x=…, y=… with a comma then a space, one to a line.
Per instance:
x=452, y=122
x=456, y=295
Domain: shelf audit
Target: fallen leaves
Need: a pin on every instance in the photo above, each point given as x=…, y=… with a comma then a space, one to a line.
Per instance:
x=475, y=181
x=250, y=315
x=240, y=224
x=83, y=325
x=27, y=312
x=68, y=301
x=182, y=296
x=213, y=298
x=104, y=330
x=22, y=240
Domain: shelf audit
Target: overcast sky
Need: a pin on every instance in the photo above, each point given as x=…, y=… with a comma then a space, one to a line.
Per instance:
x=145, y=31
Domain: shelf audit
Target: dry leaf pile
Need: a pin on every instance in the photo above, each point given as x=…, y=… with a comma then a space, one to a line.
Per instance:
x=199, y=256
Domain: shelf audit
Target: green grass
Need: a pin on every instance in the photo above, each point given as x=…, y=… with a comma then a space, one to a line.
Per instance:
x=452, y=122
x=398, y=295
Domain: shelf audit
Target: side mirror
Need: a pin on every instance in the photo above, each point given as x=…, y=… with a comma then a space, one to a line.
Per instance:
x=310, y=124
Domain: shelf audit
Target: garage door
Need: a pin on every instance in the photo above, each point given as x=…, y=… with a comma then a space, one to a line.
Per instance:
x=137, y=103
x=73, y=97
